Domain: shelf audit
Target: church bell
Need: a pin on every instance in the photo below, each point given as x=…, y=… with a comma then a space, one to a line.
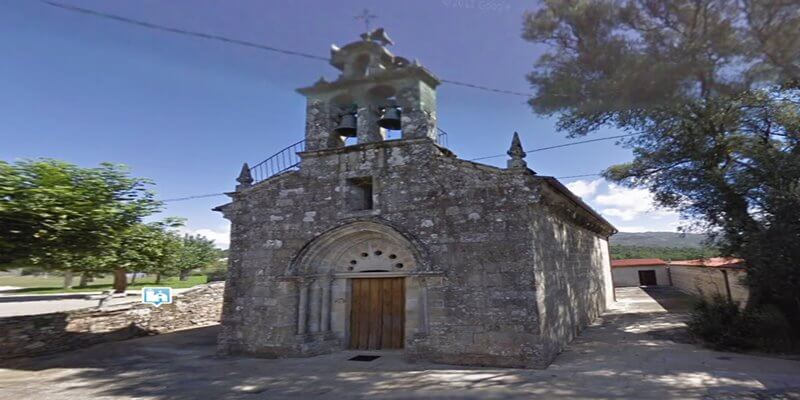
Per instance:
x=347, y=126
x=390, y=119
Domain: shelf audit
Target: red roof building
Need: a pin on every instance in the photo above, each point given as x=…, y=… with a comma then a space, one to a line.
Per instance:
x=713, y=262
x=637, y=262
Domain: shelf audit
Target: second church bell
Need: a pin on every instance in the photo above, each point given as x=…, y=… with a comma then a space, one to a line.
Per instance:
x=390, y=119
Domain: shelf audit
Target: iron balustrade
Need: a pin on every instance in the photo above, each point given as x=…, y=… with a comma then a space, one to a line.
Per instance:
x=287, y=159
x=284, y=160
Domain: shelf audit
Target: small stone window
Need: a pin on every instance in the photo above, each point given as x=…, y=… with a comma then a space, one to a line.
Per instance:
x=359, y=193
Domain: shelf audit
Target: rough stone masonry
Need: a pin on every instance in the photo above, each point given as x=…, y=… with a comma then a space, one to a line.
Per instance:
x=371, y=243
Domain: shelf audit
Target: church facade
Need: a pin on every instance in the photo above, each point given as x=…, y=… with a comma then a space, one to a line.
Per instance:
x=374, y=243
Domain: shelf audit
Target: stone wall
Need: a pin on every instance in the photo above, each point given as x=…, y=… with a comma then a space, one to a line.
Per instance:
x=708, y=282
x=573, y=280
x=31, y=335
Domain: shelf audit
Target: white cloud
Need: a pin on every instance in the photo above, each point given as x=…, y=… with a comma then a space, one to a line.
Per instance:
x=220, y=236
x=630, y=210
x=582, y=188
x=629, y=204
x=633, y=229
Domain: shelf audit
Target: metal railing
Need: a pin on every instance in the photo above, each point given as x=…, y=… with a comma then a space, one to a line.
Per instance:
x=281, y=161
x=287, y=159
x=441, y=137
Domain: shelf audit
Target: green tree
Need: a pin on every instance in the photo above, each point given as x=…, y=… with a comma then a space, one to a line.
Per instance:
x=60, y=216
x=709, y=91
x=150, y=248
x=620, y=252
x=196, y=252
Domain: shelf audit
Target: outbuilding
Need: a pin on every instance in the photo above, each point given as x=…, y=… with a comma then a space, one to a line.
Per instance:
x=640, y=272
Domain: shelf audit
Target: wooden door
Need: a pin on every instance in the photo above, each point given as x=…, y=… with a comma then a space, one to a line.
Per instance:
x=377, y=313
x=647, y=278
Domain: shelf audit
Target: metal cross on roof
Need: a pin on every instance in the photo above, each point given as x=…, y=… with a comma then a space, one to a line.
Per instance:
x=366, y=16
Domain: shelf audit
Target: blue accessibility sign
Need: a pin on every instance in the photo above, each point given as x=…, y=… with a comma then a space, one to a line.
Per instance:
x=157, y=295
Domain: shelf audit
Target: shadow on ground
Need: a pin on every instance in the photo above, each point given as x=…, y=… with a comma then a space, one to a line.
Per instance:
x=617, y=358
x=670, y=299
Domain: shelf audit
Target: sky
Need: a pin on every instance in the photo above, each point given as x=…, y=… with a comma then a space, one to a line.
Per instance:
x=187, y=112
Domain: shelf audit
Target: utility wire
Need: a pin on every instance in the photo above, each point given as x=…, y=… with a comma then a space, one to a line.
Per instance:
x=486, y=88
x=202, y=196
x=560, y=146
x=229, y=40
x=578, y=176
x=179, y=31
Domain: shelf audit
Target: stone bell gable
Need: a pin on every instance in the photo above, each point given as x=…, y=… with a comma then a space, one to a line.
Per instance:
x=399, y=244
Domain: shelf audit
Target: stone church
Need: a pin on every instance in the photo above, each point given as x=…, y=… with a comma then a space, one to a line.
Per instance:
x=376, y=241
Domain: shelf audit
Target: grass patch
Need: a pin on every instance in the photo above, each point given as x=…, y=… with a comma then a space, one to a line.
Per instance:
x=42, y=285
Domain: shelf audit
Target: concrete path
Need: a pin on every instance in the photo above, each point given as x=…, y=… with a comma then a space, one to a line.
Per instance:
x=637, y=352
x=31, y=304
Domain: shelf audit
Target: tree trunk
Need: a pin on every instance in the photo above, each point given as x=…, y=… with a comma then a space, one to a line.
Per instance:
x=68, y=280
x=158, y=278
x=184, y=275
x=84, y=280
x=133, y=278
x=120, y=280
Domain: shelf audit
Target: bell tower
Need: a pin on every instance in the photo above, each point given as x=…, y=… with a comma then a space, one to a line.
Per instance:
x=376, y=91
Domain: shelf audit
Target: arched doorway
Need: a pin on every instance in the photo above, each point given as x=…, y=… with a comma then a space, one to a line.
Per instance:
x=358, y=283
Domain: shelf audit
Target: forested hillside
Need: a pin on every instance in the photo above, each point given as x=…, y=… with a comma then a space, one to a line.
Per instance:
x=663, y=245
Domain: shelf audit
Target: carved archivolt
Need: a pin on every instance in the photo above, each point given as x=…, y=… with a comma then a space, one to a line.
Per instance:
x=362, y=246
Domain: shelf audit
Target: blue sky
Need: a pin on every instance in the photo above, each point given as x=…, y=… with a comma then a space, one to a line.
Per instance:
x=187, y=112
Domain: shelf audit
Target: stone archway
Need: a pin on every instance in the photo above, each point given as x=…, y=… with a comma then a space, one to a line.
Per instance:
x=334, y=272
x=373, y=246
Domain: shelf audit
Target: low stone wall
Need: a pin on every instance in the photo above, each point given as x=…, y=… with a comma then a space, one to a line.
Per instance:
x=31, y=335
x=708, y=282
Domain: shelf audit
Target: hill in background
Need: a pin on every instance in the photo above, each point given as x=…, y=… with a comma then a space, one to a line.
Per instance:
x=658, y=239
x=663, y=245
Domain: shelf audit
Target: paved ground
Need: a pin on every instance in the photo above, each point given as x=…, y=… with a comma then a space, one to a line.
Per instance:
x=637, y=352
x=30, y=304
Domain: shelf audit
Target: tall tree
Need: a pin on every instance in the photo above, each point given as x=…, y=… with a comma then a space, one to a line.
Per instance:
x=56, y=215
x=710, y=91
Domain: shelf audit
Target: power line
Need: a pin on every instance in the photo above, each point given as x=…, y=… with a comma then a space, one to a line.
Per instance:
x=486, y=88
x=578, y=176
x=201, y=196
x=179, y=31
x=225, y=39
x=560, y=146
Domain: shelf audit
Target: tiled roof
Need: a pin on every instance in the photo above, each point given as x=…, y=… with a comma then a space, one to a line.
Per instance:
x=713, y=262
x=637, y=262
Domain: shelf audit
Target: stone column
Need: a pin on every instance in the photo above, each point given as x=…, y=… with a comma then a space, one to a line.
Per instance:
x=321, y=119
x=368, y=129
x=302, y=306
x=423, y=305
x=314, y=311
x=418, y=101
x=325, y=317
